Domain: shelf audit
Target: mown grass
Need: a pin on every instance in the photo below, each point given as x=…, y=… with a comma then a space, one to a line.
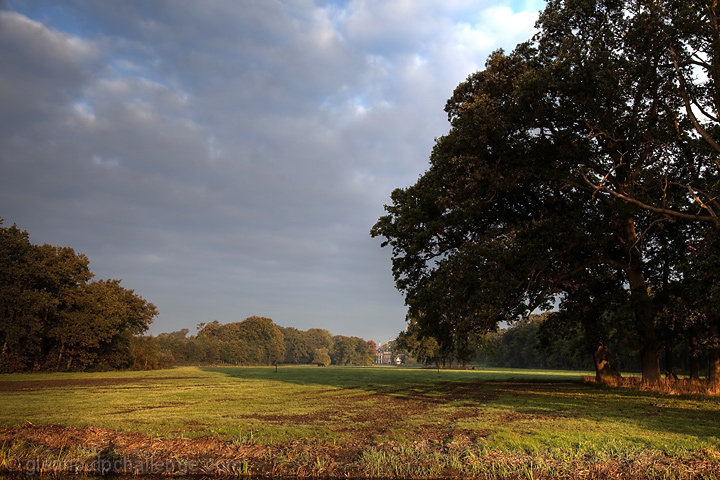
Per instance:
x=388, y=421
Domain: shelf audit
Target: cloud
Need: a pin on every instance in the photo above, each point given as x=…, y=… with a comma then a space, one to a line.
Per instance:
x=228, y=158
x=40, y=72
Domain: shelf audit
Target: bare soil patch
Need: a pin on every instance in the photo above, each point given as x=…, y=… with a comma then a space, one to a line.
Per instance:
x=19, y=385
x=129, y=452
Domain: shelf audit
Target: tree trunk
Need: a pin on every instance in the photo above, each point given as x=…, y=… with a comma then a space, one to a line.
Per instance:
x=605, y=371
x=650, y=364
x=60, y=354
x=694, y=368
x=714, y=360
x=714, y=369
x=2, y=356
x=642, y=306
x=669, y=366
x=694, y=360
x=645, y=326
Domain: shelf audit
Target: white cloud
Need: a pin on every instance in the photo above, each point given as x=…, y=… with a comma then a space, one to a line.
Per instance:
x=105, y=162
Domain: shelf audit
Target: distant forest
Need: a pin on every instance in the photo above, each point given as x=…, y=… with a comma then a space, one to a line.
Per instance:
x=536, y=342
x=254, y=341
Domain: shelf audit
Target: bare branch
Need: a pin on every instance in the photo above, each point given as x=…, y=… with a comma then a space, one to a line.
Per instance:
x=709, y=199
x=704, y=112
x=644, y=232
x=700, y=63
x=688, y=106
x=665, y=211
x=601, y=185
x=700, y=202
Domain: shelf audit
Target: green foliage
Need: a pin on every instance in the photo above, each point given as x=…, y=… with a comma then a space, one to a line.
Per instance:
x=352, y=351
x=424, y=348
x=147, y=353
x=530, y=344
x=321, y=356
x=300, y=346
x=53, y=317
x=254, y=341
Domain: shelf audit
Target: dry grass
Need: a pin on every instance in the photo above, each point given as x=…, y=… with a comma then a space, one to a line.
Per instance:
x=667, y=386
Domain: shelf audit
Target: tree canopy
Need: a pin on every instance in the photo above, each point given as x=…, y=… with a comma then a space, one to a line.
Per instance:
x=52, y=316
x=253, y=341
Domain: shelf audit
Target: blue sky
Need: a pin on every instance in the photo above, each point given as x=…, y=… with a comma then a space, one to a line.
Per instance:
x=228, y=158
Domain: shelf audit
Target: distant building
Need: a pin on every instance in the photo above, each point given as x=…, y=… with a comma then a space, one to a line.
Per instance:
x=384, y=357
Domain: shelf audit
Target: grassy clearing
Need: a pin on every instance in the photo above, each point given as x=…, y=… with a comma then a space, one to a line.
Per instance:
x=369, y=421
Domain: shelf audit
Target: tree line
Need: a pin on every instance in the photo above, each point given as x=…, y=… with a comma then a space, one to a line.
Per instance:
x=53, y=316
x=536, y=342
x=580, y=176
x=253, y=341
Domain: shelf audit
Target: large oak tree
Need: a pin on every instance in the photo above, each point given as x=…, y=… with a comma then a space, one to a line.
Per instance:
x=569, y=156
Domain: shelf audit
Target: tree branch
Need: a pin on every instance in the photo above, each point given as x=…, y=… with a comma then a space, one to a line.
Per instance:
x=704, y=112
x=688, y=106
x=665, y=211
x=693, y=193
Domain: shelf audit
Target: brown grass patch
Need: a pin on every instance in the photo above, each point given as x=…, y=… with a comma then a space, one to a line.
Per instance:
x=300, y=418
x=21, y=385
x=667, y=386
x=151, y=407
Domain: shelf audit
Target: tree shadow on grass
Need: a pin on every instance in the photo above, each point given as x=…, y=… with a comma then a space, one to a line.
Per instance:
x=697, y=417
x=525, y=395
x=374, y=378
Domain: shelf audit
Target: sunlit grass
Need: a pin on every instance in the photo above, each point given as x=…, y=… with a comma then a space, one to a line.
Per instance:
x=443, y=421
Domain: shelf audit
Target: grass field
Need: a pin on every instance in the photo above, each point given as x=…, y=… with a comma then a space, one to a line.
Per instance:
x=371, y=421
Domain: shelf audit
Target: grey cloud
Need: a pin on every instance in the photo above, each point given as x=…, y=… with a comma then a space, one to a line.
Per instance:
x=228, y=158
x=41, y=70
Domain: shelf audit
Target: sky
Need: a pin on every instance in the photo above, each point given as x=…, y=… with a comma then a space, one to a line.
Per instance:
x=228, y=158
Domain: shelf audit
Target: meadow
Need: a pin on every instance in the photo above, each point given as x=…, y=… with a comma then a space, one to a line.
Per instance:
x=354, y=421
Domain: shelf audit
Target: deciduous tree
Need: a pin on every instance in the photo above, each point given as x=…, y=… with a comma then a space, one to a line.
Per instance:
x=53, y=317
x=569, y=154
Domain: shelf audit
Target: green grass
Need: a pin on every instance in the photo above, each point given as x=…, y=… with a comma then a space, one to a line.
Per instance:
x=401, y=422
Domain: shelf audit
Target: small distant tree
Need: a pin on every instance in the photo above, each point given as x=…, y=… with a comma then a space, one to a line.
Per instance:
x=147, y=353
x=297, y=350
x=321, y=357
x=364, y=352
x=300, y=345
x=264, y=338
x=428, y=351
